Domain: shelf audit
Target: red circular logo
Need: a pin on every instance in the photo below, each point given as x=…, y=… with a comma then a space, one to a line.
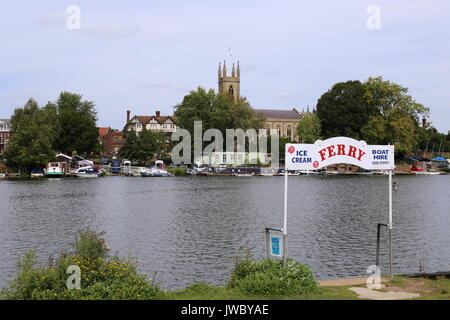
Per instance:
x=291, y=149
x=316, y=164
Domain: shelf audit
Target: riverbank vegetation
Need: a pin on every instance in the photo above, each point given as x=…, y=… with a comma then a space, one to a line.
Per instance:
x=377, y=111
x=108, y=277
x=67, y=125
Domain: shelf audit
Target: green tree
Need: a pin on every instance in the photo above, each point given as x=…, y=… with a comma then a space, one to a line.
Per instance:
x=396, y=118
x=30, y=145
x=130, y=148
x=343, y=110
x=144, y=146
x=309, y=128
x=77, y=129
x=215, y=111
x=150, y=144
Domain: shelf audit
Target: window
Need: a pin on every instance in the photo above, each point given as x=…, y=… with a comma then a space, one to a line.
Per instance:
x=231, y=91
x=240, y=158
x=289, y=133
x=224, y=158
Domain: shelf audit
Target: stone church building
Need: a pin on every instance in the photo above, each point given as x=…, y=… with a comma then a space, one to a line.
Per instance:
x=285, y=121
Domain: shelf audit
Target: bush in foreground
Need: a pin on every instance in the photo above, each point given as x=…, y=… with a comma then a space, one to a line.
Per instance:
x=272, y=278
x=102, y=276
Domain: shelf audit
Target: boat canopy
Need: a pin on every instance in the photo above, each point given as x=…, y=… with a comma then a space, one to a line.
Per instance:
x=85, y=163
x=418, y=159
x=439, y=159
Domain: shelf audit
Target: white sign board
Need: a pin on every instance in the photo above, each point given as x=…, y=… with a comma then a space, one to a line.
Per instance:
x=339, y=150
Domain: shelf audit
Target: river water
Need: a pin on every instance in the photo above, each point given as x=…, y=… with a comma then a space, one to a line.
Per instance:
x=190, y=229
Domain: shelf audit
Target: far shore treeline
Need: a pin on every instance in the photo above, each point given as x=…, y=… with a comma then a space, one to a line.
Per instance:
x=377, y=111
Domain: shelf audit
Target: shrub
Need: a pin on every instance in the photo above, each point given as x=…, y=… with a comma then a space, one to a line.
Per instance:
x=272, y=278
x=102, y=277
x=90, y=245
x=178, y=171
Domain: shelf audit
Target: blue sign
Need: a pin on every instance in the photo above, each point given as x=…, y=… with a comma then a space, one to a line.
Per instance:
x=276, y=248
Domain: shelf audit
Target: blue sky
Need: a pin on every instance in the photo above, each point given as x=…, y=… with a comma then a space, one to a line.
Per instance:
x=146, y=55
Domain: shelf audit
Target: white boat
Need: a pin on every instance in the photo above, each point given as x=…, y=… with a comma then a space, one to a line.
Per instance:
x=87, y=172
x=55, y=170
x=154, y=172
x=308, y=172
x=427, y=172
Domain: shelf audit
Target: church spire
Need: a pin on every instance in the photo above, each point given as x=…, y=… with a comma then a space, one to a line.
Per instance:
x=224, y=69
x=238, y=71
x=219, y=72
x=233, y=73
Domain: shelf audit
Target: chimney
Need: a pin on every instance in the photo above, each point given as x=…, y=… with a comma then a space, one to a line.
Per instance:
x=158, y=114
x=128, y=116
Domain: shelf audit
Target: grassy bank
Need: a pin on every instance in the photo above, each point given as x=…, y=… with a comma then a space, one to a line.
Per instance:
x=102, y=276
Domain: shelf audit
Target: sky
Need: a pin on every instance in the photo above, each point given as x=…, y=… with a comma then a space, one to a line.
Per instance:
x=145, y=56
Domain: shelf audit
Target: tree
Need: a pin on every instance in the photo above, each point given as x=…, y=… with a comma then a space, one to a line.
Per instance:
x=217, y=111
x=30, y=145
x=129, y=150
x=309, y=128
x=396, y=118
x=150, y=144
x=77, y=129
x=343, y=110
x=144, y=146
x=399, y=131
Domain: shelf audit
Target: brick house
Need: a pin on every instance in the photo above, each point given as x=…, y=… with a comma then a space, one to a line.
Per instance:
x=111, y=140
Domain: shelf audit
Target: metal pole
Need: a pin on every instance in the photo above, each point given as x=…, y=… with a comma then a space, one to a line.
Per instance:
x=377, y=259
x=285, y=244
x=391, y=269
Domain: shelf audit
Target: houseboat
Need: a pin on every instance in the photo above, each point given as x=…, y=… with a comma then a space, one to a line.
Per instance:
x=55, y=169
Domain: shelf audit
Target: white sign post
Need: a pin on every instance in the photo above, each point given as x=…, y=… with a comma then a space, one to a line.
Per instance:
x=339, y=150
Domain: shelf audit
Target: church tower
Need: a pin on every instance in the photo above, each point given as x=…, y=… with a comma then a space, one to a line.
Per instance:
x=230, y=85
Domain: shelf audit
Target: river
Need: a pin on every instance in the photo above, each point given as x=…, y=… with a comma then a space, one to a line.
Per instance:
x=190, y=229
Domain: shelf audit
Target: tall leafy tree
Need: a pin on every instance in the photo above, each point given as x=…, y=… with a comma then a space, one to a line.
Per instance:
x=130, y=148
x=144, y=146
x=343, y=110
x=30, y=145
x=217, y=111
x=77, y=129
x=309, y=128
x=396, y=118
x=150, y=144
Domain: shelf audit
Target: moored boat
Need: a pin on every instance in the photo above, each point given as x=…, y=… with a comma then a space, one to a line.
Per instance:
x=87, y=172
x=155, y=172
x=55, y=170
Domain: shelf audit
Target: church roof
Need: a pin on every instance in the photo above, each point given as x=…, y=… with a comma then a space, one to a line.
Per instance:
x=278, y=114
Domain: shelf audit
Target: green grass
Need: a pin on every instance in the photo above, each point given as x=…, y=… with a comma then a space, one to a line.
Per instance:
x=442, y=292
x=201, y=291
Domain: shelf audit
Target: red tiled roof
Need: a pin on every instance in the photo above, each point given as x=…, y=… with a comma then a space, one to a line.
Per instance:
x=102, y=131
